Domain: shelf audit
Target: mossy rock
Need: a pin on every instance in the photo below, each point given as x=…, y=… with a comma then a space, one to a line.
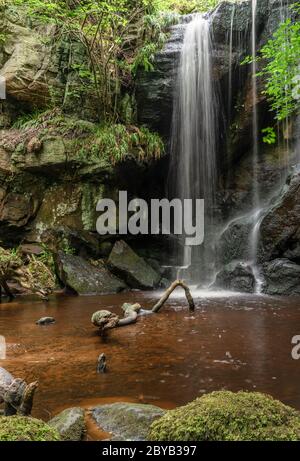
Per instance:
x=225, y=415
x=70, y=424
x=22, y=428
x=126, y=421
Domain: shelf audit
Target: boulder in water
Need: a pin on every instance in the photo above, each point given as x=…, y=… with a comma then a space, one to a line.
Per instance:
x=236, y=276
x=126, y=421
x=125, y=263
x=282, y=277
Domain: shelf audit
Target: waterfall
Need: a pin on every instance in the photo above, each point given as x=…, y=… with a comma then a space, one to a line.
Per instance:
x=257, y=218
x=230, y=65
x=194, y=132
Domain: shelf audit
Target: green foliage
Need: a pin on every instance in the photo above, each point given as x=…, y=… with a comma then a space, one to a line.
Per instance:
x=281, y=73
x=152, y=36
x=228, y=416
x=10, y=257
x=117, y=142
x=30, y=120
x=40, y=270
x=118, y=38
x=144, y=58
x=2, y=38
x=186, y=6
x=104, y=29
x=269, y=135
x=66, y=247
x=46, y=258
x=22, y=428
x=112, y=143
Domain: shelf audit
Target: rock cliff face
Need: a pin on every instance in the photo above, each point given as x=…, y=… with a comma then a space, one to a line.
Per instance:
x=34, y=63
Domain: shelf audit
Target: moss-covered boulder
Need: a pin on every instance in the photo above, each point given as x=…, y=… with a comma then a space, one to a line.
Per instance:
x=70, y=424
x=225, y=415
x=126, y=421
x=21, y=428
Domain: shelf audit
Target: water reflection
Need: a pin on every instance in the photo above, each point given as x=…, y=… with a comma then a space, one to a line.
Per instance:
x=168, y=359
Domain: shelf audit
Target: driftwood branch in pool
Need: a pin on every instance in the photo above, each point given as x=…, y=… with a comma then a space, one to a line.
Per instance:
x=106, y=320
x=172, y=287
x=16, y=394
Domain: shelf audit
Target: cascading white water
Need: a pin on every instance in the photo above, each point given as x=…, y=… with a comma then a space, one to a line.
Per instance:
x=229, y=105
x=254, y=235
x=194, y=127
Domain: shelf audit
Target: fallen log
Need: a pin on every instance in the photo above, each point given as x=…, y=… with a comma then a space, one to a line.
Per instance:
x=106, y=320
x=16, y=394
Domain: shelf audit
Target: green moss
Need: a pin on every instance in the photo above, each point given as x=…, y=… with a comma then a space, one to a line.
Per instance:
x=21, y=428
x=225, y=415
x=65, y=137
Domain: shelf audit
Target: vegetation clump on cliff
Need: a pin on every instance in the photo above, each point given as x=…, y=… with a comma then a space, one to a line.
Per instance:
x=228, y=416
x=31, y=272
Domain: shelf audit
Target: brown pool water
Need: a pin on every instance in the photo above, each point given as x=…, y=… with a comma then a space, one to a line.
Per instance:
x=167, y=359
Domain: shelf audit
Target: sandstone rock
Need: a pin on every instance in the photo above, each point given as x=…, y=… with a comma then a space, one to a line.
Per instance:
x=124, y=262
x=31, y=249
x=34, y=145
x=84, y=278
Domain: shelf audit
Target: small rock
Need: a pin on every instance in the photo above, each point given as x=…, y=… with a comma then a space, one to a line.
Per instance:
x=70, y=424
x=101, y=366
x=45, y=321
x=34, y=145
